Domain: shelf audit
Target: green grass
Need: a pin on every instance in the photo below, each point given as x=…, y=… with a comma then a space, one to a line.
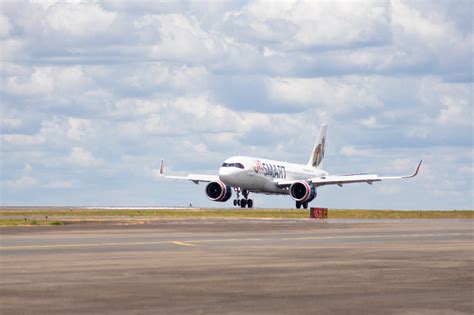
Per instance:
x=397, y=214
x=23, y=222
x=224, y=213
x=74, y=214
x=56, y=223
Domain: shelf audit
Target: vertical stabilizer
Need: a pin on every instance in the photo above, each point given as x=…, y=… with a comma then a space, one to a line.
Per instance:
x=317, y=154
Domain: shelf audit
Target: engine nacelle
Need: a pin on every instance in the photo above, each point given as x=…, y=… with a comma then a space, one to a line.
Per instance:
x=218, y=191
x=302, y=191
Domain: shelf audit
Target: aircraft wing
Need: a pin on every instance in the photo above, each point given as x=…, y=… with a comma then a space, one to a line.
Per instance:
x=349, y=179
x=195, y=178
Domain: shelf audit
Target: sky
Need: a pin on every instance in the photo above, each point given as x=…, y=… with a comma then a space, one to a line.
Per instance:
x=95, y=93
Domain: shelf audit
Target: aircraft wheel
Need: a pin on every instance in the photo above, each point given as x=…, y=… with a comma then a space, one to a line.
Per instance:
x=243, y=203
x=235, y=202
x=250, y=203
x=305, y=205
x=298, y=205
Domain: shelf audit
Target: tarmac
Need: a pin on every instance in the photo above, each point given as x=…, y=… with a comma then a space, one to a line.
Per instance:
x=239, y=266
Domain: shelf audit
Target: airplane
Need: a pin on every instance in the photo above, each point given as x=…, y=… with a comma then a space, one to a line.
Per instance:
x=245, y=174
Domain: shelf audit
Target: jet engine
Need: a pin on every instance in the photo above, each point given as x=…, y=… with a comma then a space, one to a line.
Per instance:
x=302, y=191
x=218, y=191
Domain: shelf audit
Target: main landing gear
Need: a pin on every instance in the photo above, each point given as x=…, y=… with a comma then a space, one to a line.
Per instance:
x=299, y=204
x=245, y=202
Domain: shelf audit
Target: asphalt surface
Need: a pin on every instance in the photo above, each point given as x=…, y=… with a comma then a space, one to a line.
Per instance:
x=237, y=266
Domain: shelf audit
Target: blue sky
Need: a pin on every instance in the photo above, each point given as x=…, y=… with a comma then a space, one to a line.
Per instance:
x=95, y=93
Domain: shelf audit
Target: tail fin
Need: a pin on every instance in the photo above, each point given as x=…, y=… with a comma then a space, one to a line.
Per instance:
x=161, y=168
x=317, y=154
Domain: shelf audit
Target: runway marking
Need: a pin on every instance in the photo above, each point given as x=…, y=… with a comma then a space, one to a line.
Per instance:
x=183, y=244
x=371, y=236
x=193, y=242
x=79, y=245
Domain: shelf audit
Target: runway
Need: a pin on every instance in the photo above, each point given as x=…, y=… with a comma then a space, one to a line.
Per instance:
x=240, y=266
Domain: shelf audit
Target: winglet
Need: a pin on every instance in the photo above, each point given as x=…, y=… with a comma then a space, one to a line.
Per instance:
x=416, y=172
x=161, y=168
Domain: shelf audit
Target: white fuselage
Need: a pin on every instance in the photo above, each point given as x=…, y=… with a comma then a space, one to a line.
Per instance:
x=249, y=174
x=262, y=175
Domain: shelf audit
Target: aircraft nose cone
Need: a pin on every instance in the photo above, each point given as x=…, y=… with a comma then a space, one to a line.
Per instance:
x=227, y=175
x=224, y=173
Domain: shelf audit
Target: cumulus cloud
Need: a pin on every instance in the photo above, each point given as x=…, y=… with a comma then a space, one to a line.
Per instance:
x=455, y=111
x=104, y=89
x=80, y=156
x=47, y=81
x=326, y=92
x=24, y=180
x=9, y=123
x=78, y=128
x=79, y=19
x=351, y=151
x=5, y=26
x=293, y=25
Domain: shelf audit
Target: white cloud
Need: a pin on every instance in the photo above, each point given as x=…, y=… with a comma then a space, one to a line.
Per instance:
x=51, y=131
x=39, y=82
x=302, y=24
x=47, y=81
x=22, y=139
x=370, y=122
x=179, y=116
x=456, y=111
x=428, y=39
x=352, y=151
x=44, y=4
x=400, y=164
x=25, y=180
x=78, y=128
x=146, y=6
x=338, y=94
x=161, y=76
x=181, y=38
x=80, y=156
x=10, y=123
x=102, y=89
x=11, y=48
x=80, y=19
x=5, y=26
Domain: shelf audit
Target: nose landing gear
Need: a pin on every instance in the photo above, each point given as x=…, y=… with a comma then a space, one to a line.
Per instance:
x=244, y=202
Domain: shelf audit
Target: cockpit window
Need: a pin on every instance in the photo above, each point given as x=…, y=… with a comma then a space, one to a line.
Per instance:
x=238, y=165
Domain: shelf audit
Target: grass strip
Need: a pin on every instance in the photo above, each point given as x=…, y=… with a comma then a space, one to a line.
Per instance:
x=244, y=213
x=399, y=214
x=28, y=222
x=222, y=213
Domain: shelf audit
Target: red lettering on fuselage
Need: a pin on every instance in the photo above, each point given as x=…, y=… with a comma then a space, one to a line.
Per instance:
x=271, y=170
